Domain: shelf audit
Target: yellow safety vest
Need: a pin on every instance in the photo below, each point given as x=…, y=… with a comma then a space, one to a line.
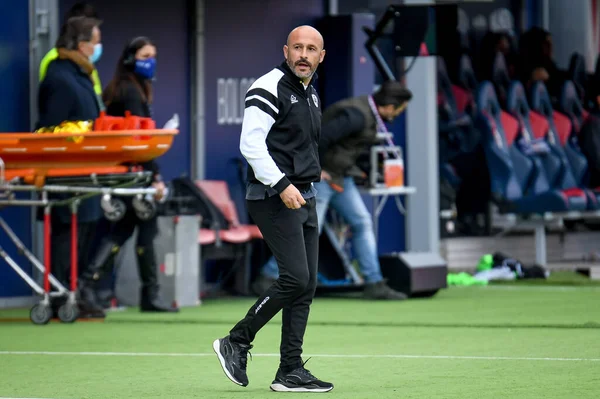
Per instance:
x=52, y=55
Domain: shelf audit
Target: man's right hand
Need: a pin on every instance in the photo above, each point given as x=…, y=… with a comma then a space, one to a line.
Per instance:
x=292, y=198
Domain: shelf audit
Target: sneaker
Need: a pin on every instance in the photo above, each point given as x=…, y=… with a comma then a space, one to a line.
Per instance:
x=233, y=358
x=381, y=290
x=299, y=380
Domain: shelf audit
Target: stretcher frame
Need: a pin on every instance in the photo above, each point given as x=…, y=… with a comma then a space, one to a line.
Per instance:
x=80, y=165
x=79, y=185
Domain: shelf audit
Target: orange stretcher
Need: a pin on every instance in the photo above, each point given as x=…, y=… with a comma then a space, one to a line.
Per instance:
x=61, y=169
x=96, y=148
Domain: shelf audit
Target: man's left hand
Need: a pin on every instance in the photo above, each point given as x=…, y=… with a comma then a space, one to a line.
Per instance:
x=160, y=190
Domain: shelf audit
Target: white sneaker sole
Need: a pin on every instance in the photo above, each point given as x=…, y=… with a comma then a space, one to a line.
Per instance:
x=216, y=347
x=283, y=388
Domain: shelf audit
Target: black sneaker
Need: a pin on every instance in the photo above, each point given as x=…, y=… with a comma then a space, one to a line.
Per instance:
x=299, y=380
x=381, y=290
x=233, y=358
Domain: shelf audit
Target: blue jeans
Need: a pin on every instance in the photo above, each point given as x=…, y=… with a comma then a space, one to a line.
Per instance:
x=350, y=206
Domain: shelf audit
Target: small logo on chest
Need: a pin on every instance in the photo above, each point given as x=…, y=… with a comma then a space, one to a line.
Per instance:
x=293, y=99
x=315, y=100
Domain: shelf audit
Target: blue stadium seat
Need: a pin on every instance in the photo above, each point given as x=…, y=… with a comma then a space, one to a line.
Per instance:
x=534, y=128
x=563, y=141
x=451, y=116
x=458, y=101
x=578, y=75
x=466, y=74
x=517, y=184
x=445, y=95
x=501, y=78
x=571, y=105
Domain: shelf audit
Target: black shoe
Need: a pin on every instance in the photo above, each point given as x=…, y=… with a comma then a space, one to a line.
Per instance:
x=381, y=290
x=152, y=302
x=87, y=297
x=233, y=358
x=299, y=380
x=157, y=305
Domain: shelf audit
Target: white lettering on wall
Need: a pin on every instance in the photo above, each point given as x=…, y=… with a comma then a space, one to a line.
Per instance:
x=230, y=99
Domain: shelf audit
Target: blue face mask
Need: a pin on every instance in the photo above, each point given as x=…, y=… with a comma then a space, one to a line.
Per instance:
x=97, y=53
x=145, y=68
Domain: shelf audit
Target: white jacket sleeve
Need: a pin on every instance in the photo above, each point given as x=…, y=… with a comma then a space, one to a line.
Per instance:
x=259, y=116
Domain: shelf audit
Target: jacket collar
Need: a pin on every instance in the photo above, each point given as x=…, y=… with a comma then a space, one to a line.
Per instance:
x=77, y=58
x=292, y=76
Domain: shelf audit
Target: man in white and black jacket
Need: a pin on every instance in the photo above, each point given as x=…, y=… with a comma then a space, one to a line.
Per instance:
x=279, y=139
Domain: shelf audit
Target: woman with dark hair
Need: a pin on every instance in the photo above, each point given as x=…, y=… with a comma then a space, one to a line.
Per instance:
x=67, y=94
x=131, y=90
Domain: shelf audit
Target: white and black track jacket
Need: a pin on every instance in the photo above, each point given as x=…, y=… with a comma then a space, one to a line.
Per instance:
x=280, y=133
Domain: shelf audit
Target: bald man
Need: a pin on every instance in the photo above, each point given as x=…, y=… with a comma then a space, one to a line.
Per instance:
x=280, y=132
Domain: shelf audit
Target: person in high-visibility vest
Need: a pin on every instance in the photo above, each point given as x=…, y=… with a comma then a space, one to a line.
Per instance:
x=79, y=9
x=53, y=54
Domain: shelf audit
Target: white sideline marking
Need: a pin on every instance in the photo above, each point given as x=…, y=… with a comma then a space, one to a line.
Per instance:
x=158, y=354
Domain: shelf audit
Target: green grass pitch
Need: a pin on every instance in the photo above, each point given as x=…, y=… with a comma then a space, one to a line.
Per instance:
x=500, y=341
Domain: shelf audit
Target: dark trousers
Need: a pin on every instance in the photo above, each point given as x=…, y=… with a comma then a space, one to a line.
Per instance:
x=108, y=247
x=293, y=237
x=60, y=253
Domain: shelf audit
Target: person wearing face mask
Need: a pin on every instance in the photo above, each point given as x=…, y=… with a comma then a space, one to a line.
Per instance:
x=131, y=90
x=67, y=94
x=80, y=9
x=349, y=127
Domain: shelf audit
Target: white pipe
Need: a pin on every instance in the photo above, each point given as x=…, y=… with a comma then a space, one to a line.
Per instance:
x=333, y=7
x=546, y=15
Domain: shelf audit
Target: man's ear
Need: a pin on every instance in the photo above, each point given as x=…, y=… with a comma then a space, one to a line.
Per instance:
x=285, y=51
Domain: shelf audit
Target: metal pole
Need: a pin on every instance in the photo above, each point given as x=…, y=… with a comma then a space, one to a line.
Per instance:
x=422, y=227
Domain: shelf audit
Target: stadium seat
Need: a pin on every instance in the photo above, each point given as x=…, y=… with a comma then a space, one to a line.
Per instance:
x=517, y=186
x=450, y=118
x=466, y=75
x=233, y=243
x=593, y=89
x=456, y=100
x=560, y=137
x=578, y=75
x=501, y=78
x=534, y=127
x=571, y=106
x=218, y=192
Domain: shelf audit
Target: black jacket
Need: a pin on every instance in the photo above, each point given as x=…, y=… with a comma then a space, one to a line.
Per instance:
x=129, y=98
x=349, y=130
x=67, y=93
x=280, y=131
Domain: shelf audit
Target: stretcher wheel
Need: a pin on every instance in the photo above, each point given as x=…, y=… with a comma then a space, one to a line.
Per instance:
x=40, y=314
x=144, y=208
x=68, y=313
x=114, y=208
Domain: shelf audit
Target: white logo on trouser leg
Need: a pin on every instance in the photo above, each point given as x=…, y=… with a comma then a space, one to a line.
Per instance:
x=260, y=305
